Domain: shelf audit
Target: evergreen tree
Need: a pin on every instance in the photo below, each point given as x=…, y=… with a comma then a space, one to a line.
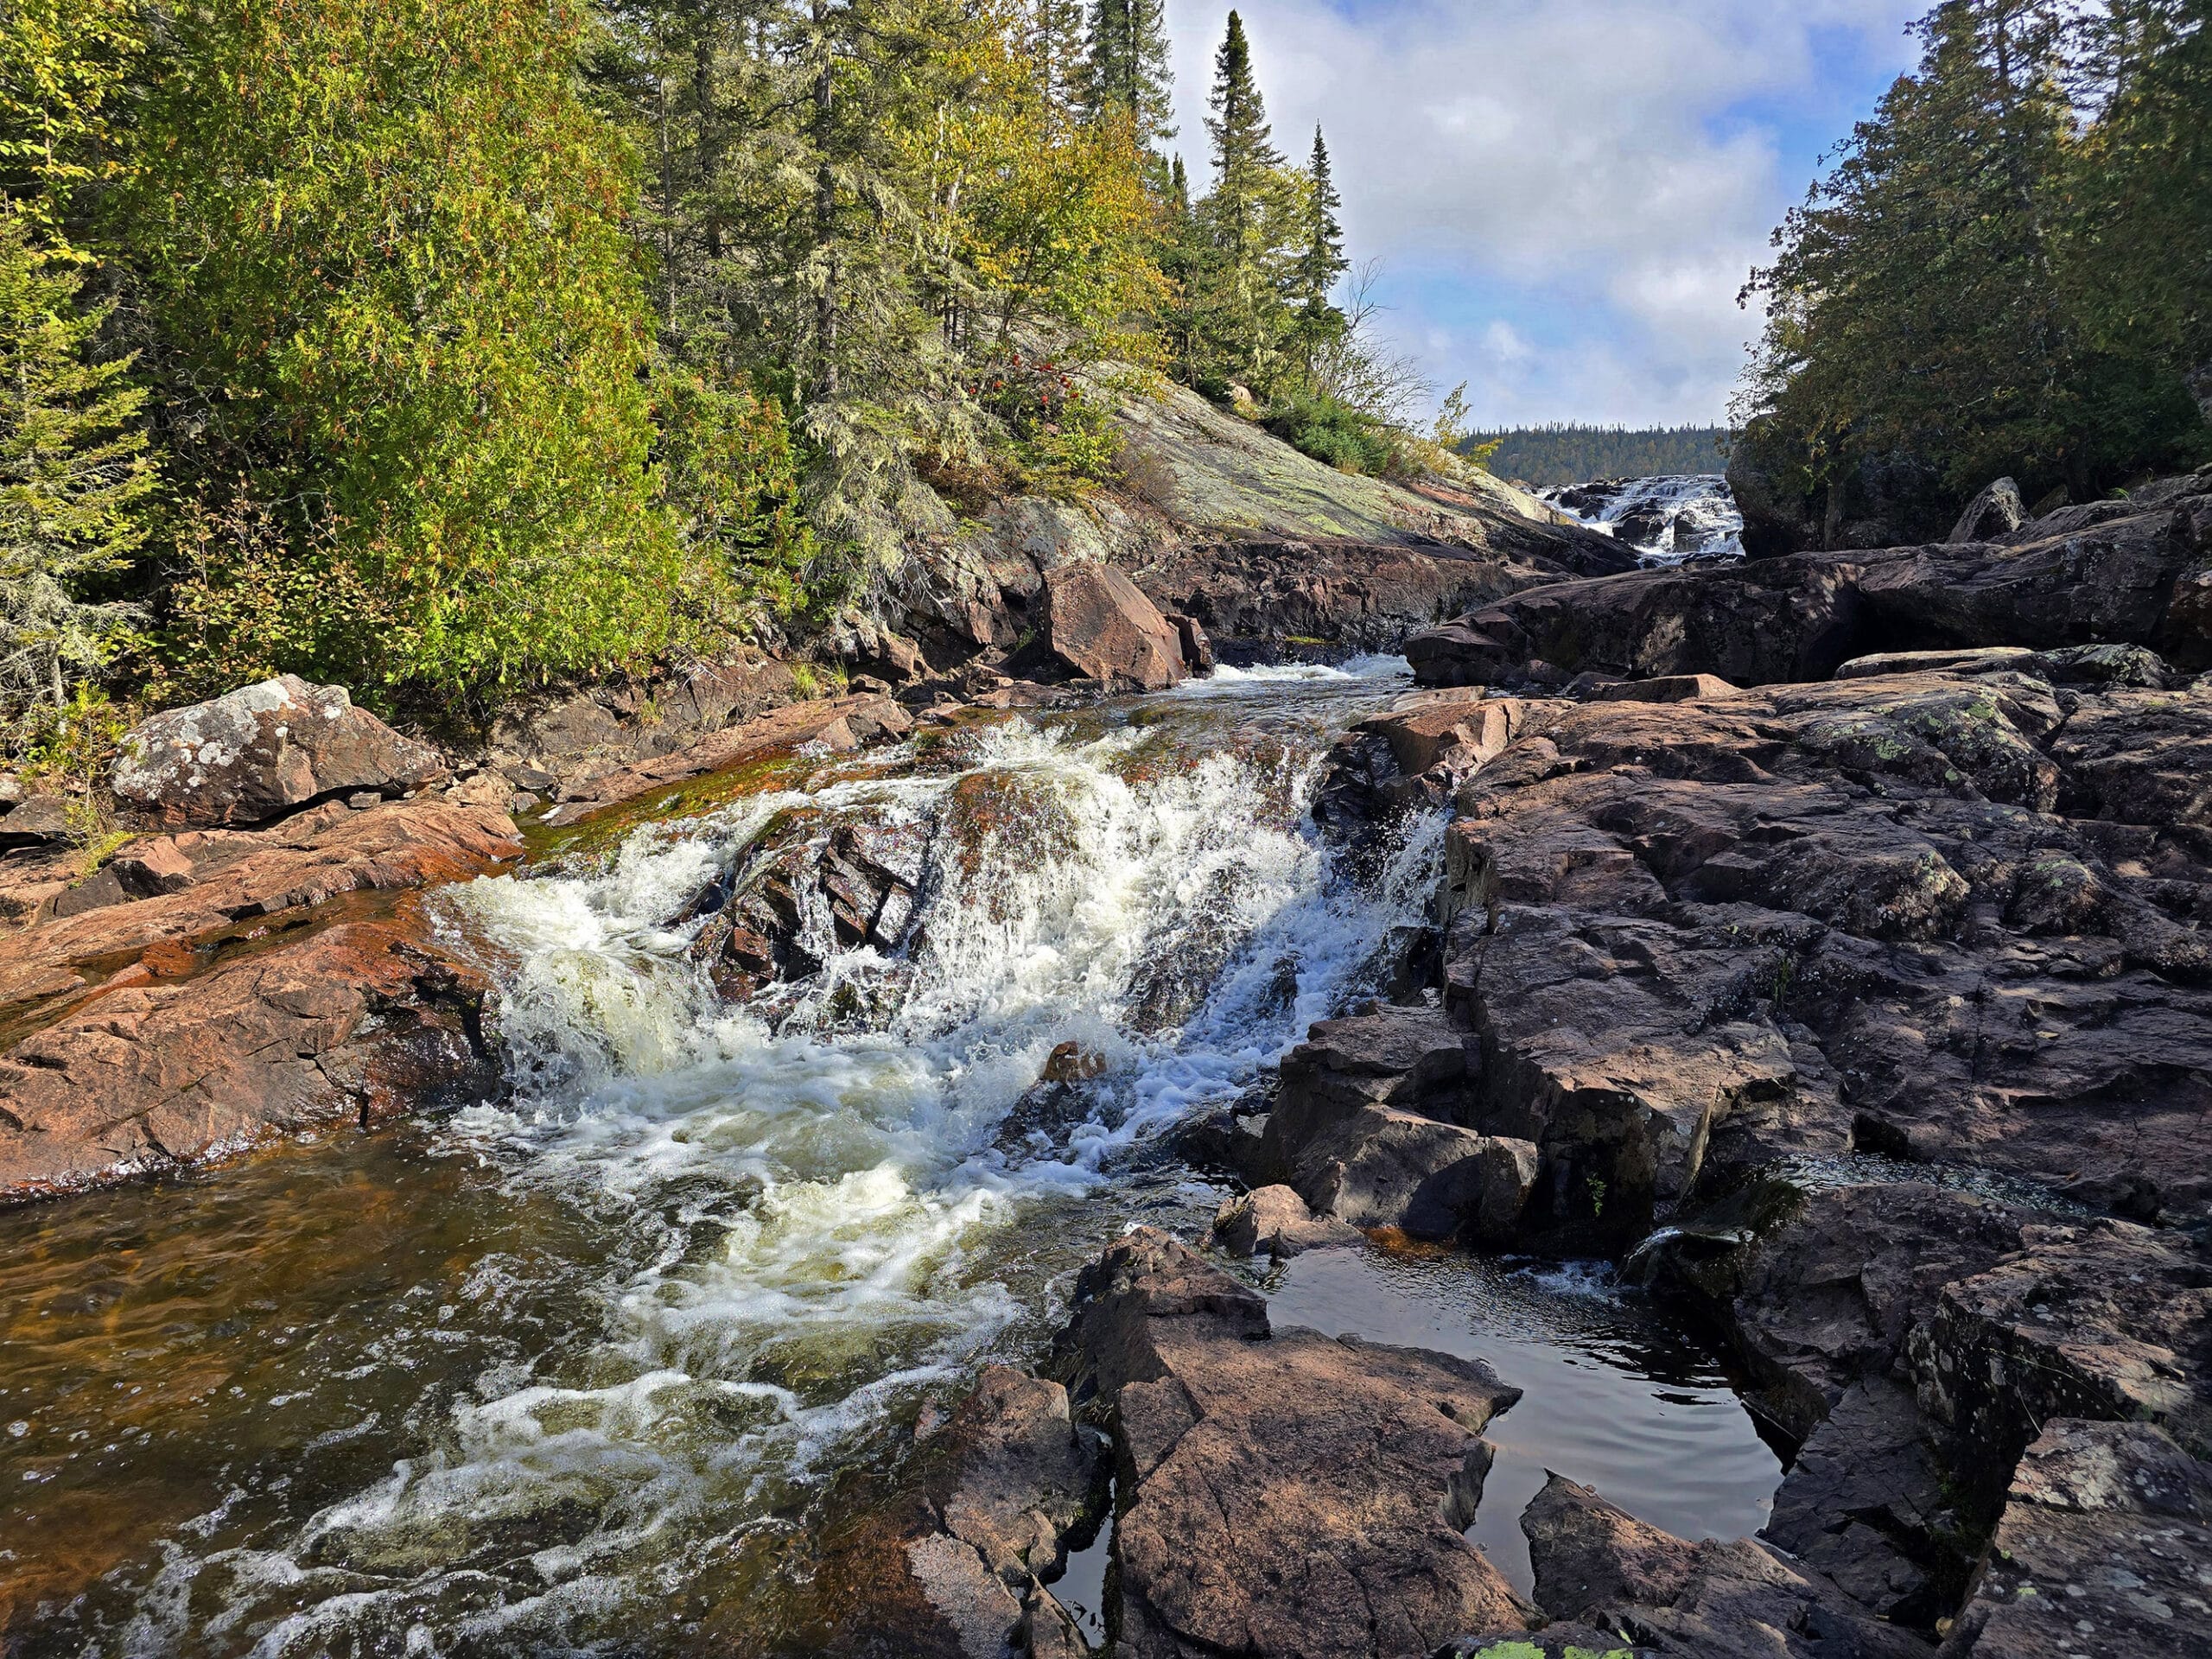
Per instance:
x=2141, y=255
x=1321, y=263
x=74, y=475
x=1250, y=220
x=1130, y=71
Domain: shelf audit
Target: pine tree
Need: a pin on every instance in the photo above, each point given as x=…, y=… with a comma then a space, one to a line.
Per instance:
x=1322, y=261
x=1130, y=72
x=74, y=475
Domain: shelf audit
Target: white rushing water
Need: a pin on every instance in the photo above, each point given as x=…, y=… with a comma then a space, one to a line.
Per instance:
x=818, y=1221
x=1667, y=520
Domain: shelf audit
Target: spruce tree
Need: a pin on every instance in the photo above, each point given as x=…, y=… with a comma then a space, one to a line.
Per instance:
x=1130, y=72
x=1322, y=261
x=1248, y=220
x=74, y=475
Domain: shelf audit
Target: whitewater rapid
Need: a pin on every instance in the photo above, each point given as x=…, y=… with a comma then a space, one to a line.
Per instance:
x=820, y=1221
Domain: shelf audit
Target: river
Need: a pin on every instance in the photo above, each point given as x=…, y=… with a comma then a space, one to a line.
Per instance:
x=595, y=1369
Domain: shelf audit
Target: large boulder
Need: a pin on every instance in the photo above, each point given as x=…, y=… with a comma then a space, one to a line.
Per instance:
x=1883, y=500
x=1993, y=515
x=1096, y=624
x=1281, y=1492
x=263, y=750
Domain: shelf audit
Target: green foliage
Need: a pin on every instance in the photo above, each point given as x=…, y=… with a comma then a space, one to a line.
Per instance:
x=1332, y=431
x=74, y=476
x=382, y=242
x=67, y=750
x=1550, y=456
x=1128, y=74
x=2005, y=270
x=1321, y=264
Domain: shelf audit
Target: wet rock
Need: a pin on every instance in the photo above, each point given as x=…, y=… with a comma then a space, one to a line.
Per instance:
x=835, y=723
x=1096, y=624
x=263, y=750
x=1069, y=1063
x=1275, y=1219
x=357, y=1021
x=1993, y=515
x=805, y=891
x=1280, y=1492
x=1598, y=1565
x=2102, y=1550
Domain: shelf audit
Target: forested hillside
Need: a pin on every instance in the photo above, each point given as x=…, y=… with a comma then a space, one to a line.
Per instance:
x=1548, y=456
x=2008, y=271
x=446, y=347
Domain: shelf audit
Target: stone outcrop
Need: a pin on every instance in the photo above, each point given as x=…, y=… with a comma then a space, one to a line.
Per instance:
x=1097, y=625
x=1265, y=549
x=2137, y=572
x=262, y=751
x=1600, y=1567
x=358, y=1021
x=2102, y=1549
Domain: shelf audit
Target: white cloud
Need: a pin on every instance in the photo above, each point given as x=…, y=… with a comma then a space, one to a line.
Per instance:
x=1580, y=162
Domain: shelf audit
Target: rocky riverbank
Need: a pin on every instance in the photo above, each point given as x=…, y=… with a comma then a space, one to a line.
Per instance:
x=1825, y=938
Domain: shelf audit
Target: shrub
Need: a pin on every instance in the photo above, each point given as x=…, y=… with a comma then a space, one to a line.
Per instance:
x=1334, y=432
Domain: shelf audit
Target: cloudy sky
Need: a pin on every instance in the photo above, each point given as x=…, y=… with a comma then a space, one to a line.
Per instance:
x=1566, y=194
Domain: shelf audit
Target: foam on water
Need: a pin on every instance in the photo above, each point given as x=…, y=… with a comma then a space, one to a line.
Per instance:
x=818, y=1217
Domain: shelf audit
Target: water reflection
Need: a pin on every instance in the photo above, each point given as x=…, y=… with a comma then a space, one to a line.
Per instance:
x=1615, y=1395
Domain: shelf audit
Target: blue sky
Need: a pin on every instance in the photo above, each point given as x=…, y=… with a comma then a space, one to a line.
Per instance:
x=1566, y=195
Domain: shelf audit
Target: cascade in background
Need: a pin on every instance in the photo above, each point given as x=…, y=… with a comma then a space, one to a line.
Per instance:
x=1667, y=520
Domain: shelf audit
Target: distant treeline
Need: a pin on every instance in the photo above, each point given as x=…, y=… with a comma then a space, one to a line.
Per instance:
x=1568, y=454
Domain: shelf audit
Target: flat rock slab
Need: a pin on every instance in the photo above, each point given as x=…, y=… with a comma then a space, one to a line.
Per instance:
x=1281, y=1492
x=361, y=1021
x=837, y=723
x=177, y=891
x=258, y=753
